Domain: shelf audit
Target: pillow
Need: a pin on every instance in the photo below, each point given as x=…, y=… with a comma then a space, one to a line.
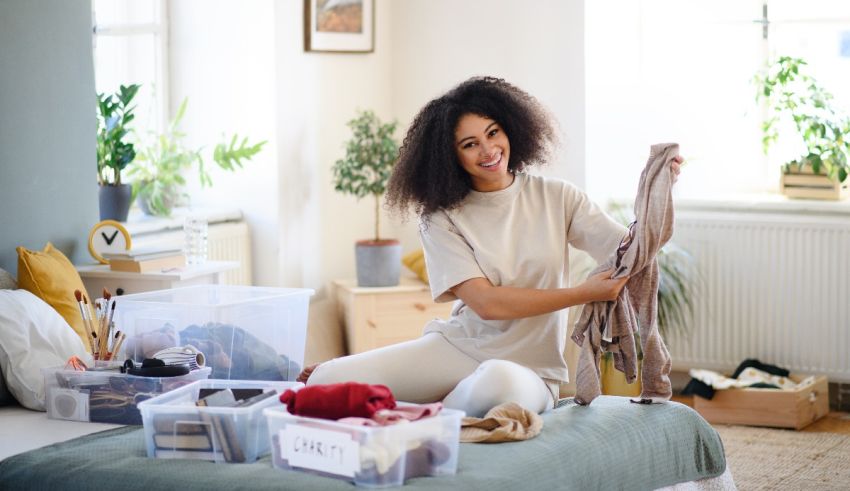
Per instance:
x=5, y=396
x=33, y=336
x=7, y=281
x=50, y=276
x=415, y=261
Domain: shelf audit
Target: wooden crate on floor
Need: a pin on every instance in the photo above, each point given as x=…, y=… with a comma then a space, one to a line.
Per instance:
x=768, y=407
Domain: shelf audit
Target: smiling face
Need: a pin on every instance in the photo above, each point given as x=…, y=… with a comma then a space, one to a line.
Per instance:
x=483, y=150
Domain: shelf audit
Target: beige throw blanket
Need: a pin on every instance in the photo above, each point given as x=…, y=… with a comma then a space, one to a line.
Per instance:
x=506, y=422
x=610, y=326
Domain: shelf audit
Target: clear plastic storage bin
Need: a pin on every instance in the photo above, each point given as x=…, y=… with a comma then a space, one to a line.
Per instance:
x=245, y=333
x=176, y=428
x=370, y=456
x=105, y=395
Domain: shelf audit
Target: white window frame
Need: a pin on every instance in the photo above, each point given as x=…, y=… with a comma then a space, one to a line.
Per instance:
x=159, y=28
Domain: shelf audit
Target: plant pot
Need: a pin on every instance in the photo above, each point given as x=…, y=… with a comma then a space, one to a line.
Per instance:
x=614, y=381
x=114, y=201
x=378, y=262
x=169, y=197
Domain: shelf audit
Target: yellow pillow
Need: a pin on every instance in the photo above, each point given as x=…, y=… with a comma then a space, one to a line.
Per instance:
x=50, y=276
x=415, y=261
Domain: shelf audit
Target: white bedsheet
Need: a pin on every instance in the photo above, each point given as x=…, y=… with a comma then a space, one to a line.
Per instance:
x=22, y=430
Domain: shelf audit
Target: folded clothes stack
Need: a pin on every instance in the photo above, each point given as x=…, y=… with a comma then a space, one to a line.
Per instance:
x=354, y=403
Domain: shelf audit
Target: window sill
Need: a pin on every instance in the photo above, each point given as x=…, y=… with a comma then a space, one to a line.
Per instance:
x=767, y=203
x=762, y=203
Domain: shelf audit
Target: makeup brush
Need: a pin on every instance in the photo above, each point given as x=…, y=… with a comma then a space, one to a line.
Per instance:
x=89, y=317
x=117, y=350
x=106, y=297
x=96, y=349
x=86, y=325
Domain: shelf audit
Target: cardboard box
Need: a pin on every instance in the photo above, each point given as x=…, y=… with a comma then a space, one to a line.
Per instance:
x=768, y=407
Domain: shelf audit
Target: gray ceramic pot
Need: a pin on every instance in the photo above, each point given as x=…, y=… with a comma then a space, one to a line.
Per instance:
x=114, y=202
x=378, y=262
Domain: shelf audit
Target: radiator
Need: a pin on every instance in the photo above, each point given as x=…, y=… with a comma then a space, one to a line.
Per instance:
x=775, y=286
x=227, y=241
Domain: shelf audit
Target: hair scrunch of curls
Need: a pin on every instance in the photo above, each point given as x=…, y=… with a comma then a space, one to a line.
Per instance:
x=428, y=176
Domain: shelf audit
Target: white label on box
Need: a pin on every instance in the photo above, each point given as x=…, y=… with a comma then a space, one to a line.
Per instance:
x=321, y=450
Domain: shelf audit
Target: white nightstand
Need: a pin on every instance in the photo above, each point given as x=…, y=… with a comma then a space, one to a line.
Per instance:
x=380, y=316
x=96, y=277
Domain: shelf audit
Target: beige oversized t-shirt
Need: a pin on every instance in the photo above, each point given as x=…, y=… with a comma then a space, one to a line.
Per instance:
x=515, y=237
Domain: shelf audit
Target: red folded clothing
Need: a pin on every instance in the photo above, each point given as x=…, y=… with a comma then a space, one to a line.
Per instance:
x=335, y=401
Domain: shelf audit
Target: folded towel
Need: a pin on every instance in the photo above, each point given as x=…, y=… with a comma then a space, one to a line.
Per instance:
x=335, y=401
x=506, y=422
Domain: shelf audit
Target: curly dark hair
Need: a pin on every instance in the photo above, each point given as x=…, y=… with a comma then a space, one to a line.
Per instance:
x=428, y=175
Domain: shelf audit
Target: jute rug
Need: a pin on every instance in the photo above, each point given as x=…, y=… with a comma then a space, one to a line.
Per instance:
x=768, y=459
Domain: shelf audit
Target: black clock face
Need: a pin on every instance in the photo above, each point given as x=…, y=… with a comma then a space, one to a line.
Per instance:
x=108, y=236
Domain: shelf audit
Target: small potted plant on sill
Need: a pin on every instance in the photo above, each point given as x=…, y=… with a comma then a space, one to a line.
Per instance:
x=114, y=153
x=790, y=94
x=370, y=154
x=159, y=168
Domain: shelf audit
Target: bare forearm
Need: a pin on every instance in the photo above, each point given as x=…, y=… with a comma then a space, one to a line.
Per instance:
x=505, y=302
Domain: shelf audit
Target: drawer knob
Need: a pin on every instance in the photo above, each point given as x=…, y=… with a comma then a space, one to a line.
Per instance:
x=419, y=306
x=371, y=323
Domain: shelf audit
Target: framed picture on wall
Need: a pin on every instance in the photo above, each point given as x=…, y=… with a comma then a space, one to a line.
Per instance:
x=341, y=26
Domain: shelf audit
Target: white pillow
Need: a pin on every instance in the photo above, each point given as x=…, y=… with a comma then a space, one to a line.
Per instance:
x=33, y=336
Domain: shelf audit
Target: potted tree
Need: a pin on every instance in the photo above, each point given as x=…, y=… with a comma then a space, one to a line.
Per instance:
x=158, y=172
x=113, y=152
x=792, y=96
x=364, y=170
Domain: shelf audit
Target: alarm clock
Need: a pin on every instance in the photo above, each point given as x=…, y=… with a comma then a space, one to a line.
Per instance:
x=108, y=236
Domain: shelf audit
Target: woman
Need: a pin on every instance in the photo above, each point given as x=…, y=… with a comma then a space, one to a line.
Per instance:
x=495, y=241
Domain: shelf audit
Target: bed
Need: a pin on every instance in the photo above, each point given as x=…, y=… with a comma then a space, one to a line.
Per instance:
x=612, y=444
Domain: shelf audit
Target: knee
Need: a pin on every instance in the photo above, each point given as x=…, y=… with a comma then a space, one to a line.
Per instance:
x=326, y=373
x=500, y=377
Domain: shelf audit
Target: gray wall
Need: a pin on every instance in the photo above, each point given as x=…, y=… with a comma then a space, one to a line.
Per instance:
x=48, y=170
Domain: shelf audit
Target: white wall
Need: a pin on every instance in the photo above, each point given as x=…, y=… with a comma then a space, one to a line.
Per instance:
x=318, y=93
x=222, y=57
x=257, y=79
x=244, y=68
x=537, y=46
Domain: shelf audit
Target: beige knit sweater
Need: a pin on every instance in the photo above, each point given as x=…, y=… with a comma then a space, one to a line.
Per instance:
x=610, y=326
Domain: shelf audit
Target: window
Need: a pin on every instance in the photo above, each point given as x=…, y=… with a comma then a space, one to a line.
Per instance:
x=674, y=70
x=130, y=46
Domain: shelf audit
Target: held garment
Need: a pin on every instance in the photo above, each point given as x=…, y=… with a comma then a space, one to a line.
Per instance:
x=610, y=326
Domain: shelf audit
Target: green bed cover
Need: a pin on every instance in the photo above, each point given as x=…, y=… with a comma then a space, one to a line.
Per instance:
x=613, y=444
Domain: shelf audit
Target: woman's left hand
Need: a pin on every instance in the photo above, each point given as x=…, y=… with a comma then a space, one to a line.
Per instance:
x=676, y=167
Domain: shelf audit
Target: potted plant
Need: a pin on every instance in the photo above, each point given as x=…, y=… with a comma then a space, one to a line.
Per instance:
x=370, y=154
x=793, y=96
x=113, y=152
x=159, y=168
x=678, y=285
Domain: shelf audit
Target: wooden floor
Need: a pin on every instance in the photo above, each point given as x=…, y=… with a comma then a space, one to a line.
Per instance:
x=834, y=422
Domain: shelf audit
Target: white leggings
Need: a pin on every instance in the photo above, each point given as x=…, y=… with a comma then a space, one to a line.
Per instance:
x=430, y=369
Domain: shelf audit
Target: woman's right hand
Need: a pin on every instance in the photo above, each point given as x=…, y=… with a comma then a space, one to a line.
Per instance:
x=600, y=287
